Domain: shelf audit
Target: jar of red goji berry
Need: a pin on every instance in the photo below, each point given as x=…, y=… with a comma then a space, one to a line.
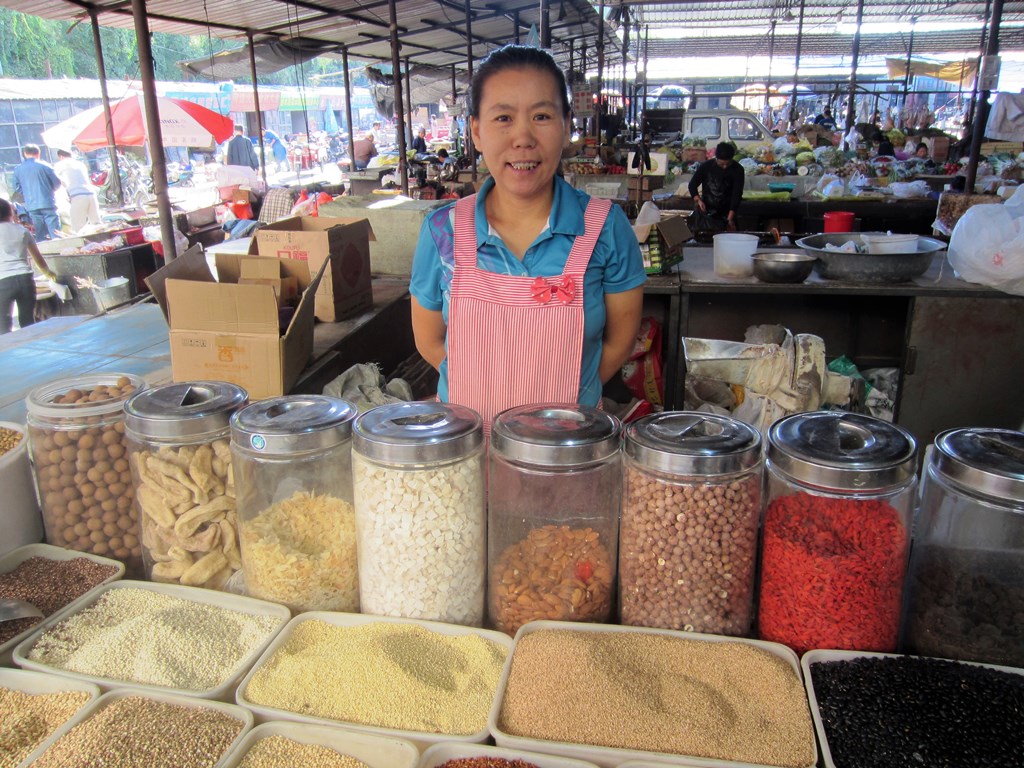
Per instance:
x=554, y=486
x=691, y=509
x=964, y=597
x=836, y=532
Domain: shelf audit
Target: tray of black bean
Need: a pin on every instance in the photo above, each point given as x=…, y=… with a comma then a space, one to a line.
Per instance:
x=877, y=710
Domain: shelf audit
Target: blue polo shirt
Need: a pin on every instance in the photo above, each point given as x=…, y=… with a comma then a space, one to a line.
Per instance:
x=614, y=267
x=37, y=182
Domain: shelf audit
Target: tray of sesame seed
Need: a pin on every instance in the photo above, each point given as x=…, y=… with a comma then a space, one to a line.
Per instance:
x=424, y=681
x=913, y=710
x=155, y=637
x=611, y=694
x=51, y=578
x=278, y=743
x=482, y=756
x=131, y=729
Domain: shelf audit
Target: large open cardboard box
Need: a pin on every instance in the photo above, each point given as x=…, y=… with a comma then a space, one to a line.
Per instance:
x=229, y=331
x=341, y=243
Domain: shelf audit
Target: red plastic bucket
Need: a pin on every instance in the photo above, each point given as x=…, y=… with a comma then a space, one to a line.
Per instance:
x=839, y=221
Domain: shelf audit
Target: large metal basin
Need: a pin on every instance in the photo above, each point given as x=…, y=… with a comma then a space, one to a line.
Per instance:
x=868, y=267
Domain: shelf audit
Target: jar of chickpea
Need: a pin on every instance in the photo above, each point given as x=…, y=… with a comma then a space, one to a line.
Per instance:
x=554, y=486
x=80, y=458
x=690, y=514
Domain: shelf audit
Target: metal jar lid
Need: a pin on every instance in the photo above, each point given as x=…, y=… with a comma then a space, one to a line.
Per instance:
x=555, y=435
x=842, y=451
x=694, y=444
x=293, y=424
x=417, y=433
x=185, y=410
x=987, y=461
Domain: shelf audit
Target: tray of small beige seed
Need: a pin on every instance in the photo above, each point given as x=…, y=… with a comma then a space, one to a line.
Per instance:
x=455, y=755
x=611, y=694
x=276, y=744
x=155, y=637
x=142, y=729
x=32, y=706
x=50, y=578
x=424, y=681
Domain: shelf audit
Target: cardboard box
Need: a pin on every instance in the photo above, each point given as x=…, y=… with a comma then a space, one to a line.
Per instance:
x=229, y=331
x=646, y=183
x=938, y=148
x=341, y=243
x=661, y=244
x=268, y=272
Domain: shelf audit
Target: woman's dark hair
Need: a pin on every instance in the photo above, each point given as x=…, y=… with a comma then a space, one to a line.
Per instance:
x=515, y=57
x=6, y=209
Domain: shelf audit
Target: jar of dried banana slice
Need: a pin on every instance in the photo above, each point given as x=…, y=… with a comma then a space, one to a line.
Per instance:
x=180, y=457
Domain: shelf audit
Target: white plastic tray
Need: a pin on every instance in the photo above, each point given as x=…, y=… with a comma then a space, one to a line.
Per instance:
x=375, y=751
x=16, y=557
x=820, y=656
x=222, y=692
x=39, y=683
x=612, y=757
x=421, y=739
x=239, y=713
x=440, y=753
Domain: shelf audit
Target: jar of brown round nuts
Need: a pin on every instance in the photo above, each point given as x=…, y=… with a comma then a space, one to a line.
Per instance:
x=554, y=486
x=76, y=436
x=690, y=514
x=180, y=456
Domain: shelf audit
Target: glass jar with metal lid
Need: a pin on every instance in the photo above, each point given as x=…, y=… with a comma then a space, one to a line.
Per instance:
x=554, y=488
x=691, y=509
x=180, y=455
x=76, y=436
x=965, y=582
x=293, y=478
x=419, y=490
x=836, y=534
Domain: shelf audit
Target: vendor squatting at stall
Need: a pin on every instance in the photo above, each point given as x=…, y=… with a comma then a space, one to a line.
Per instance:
x=529, y=291
x=720, y=180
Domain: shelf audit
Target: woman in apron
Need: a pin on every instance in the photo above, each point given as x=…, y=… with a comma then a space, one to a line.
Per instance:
x=529, y=291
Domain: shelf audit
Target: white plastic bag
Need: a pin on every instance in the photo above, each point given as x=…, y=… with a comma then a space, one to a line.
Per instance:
x=830, y=185
x=905, y=189
x=987, y=247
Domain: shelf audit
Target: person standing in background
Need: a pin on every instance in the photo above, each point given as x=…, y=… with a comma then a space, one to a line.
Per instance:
x=17, y=288
x=720, y=180
x=363, y=150
x=278, y=150
x=419, y=144
x=75, y=178
x=240, y=151
x=38, y=183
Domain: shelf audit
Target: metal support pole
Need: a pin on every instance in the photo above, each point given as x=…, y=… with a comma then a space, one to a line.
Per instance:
x=155, y=136
x=771, y=57
x=625, y=57
x=469, y=70
x=855, y=56
x=910, y=59
x=515, y=24
x=396, y=79
x=793, y=114
x=981, y=115
x=256, y=103
x=101, y=71
x=545, y=25
x=348, y=111
x=408, y=96
x=600, y=71
x=972, y=114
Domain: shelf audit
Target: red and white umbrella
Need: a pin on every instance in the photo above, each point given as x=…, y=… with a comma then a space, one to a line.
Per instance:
x=182, y=124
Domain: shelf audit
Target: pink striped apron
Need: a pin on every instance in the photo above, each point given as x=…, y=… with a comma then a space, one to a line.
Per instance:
x=513, y=339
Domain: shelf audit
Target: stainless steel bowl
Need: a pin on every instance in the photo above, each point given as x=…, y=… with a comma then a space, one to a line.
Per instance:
x=782, y=266
x=868, y=267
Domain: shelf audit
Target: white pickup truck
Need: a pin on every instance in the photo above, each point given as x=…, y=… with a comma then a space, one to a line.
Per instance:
x=715, y=125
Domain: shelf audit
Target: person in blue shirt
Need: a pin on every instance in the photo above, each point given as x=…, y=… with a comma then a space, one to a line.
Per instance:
x=37, y=183
x=825, y=119
x=278, y=149
x=529, y=291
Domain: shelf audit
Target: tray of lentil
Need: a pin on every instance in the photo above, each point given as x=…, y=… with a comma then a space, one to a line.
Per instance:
x=577, y=690
x=132, y=729
x=275, y=744
x=51, y=578
x=155, y=637
x=874, y=710
x=454, y=755
x=424, y=681
x=33, y=706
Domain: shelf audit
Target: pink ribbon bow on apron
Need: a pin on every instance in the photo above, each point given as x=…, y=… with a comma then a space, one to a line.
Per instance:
x=560, y=289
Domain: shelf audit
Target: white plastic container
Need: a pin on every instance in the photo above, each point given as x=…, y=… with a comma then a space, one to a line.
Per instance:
x=732, y=254
x=439, y=754
x=821, y=656
x=612, y=757
x=421, y=739
x=222, y=692
x=20, y=518
x=882, y=242
x=239, y=713
x=13, y=559
x=375, y=751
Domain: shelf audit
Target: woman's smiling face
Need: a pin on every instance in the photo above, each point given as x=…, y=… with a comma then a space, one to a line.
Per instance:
x=521, y=130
